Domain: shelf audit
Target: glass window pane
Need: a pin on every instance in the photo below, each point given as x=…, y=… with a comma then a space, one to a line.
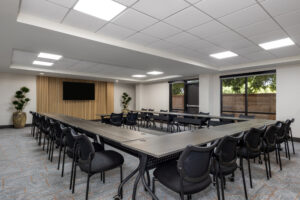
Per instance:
x=262, y=94
x=233, y=94
x=178, y=96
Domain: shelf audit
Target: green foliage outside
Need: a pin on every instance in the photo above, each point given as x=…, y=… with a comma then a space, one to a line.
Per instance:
x=20, y=99
x=125, y=100
x=178, y=89
x=256, y=85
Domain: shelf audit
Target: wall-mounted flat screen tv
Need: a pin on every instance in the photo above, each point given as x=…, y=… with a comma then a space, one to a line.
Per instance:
x=78, y=91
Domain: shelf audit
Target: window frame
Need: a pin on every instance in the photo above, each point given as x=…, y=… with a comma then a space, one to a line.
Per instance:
x=245, y=75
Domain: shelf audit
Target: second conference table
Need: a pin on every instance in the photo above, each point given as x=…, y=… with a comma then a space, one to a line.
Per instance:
x=150, y=149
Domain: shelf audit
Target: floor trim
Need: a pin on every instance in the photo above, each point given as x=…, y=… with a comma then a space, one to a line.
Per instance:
x=11, y=126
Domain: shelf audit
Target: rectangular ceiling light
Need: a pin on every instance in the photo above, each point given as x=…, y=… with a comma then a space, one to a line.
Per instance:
x=222, y=55
x=277, y=44
x=154, y=73
x=49, y=56
x=36, y=62
x=103, y=9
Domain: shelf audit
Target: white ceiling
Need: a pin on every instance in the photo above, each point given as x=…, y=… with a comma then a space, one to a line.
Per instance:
x=174, y=36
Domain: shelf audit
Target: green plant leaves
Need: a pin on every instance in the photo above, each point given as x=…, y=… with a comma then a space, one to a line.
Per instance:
x=20, y=99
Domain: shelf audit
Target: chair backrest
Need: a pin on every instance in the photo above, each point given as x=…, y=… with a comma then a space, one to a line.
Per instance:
x=161, y=114
x=281, y=130
x=194, y=163
x=227, y=121
x=85, y=148
x=253, y=139
x=70, y=140
x=270, y=135
x=226, y=151
x=116, y=117
x=287, y=127
x=204, y=120
x=131, y=117
x=246, y=116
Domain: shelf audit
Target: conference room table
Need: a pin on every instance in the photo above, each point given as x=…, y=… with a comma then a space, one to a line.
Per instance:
x=150, y=149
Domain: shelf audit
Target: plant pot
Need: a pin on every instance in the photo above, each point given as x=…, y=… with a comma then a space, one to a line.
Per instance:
x=125, y=111
x=19, y=119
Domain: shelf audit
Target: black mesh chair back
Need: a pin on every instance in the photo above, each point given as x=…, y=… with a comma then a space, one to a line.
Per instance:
x=287, y=127
x=116, y=118
x=131, y=118
x=204, y=120
x=85, y=148
x=281, y=130
x=226, y=152
x=246, y=116
x=253, y=139
x=194, y=163
x=70, y=140
x=227, y=121
x=270, y=135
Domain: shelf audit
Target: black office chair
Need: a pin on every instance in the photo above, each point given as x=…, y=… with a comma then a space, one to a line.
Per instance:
x=291, y=135
x=269, y=145
x=161, y=118
x=92, y=162
x=131, y=120
x=222, y=121
x=33, y=123
x=283, y=136
x=250, y=147
x=116, y=119
x=188, y=175
x=226, y=156
x=205, y=121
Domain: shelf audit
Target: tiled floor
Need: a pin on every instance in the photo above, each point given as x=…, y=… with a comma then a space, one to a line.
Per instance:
x=25, y=173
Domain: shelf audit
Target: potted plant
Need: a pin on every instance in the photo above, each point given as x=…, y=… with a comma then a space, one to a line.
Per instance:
x=19, y=102
x=125, y=102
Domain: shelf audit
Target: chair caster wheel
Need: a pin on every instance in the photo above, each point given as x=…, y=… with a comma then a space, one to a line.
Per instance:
x=117, y=197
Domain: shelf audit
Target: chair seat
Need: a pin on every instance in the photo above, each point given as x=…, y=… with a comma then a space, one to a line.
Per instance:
x=116, y=123
x=267, y=149
x=245, y=153
x=103, y=161
x=226, y=170
x=169, y=176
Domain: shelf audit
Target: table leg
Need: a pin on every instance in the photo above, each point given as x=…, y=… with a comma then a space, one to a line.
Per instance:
x=142, y=169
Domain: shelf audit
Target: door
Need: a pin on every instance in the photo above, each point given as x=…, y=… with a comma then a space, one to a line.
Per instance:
x=192, y=97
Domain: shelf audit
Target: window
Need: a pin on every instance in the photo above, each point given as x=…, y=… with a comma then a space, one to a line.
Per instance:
x=249, y=94
x=177, y=97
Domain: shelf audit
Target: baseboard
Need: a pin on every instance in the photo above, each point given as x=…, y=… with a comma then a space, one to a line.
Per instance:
x=296, y=139
x=11, y=126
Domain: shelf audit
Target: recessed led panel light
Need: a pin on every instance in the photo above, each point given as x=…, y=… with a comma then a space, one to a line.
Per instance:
x=49, y=56
x=103, y=9
x=154, y=73
x=138, y=76
x=277, y=44
x=222, y=55
x=42, y=74
x=36, y=62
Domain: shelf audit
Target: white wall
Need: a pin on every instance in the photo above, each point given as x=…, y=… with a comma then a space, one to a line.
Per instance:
x=288, y=96
x=119, y=88
x=9, y=84
x=154, y=96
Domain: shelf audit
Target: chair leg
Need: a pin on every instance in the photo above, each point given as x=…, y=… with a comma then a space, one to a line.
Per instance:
x=63, y=164
x=243, y=176
x=87, y=187
x=72, y=173
x=121, y=180
x=269, y=163
x=218, y=189
x=279, y=158
x=288, y=149
x=60, y=150
x=74, y=178
x=222, y=186
x=292, y=140
x=266, y=165
x=189, y=197
x=250, y=175
x=153, y=185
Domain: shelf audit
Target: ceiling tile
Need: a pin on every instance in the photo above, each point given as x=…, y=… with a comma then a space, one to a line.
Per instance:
x=289, y=19
x=245, y=17
x=236, y=44
x=64, y=3
x=259, y=28
x=142, y=39
x=238, y=60
x=83, y=21
x=286, y=51
x=248, y=50
x=268, y=36
x=161, y=30
x=279, y=7
x=43, y=9
x=160, y=9
x=203, y=47
x=184, y=52
x=126, y=2
x=65, y=63
x=83, y=65
x=219, y=8
x=188, y=18
x=209, y=29
x=23, y=58
x=260, y=56
x=162, y=45
x=193, y=1
x=228, y=36
x=182, y=38
x=115, y=31
x=134, y=20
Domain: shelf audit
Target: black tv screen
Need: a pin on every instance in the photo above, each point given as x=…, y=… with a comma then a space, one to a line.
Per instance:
x=78, y=91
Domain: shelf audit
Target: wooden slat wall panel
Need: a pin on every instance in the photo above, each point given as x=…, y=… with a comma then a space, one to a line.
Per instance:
x=50, y=99
x=110, y=97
